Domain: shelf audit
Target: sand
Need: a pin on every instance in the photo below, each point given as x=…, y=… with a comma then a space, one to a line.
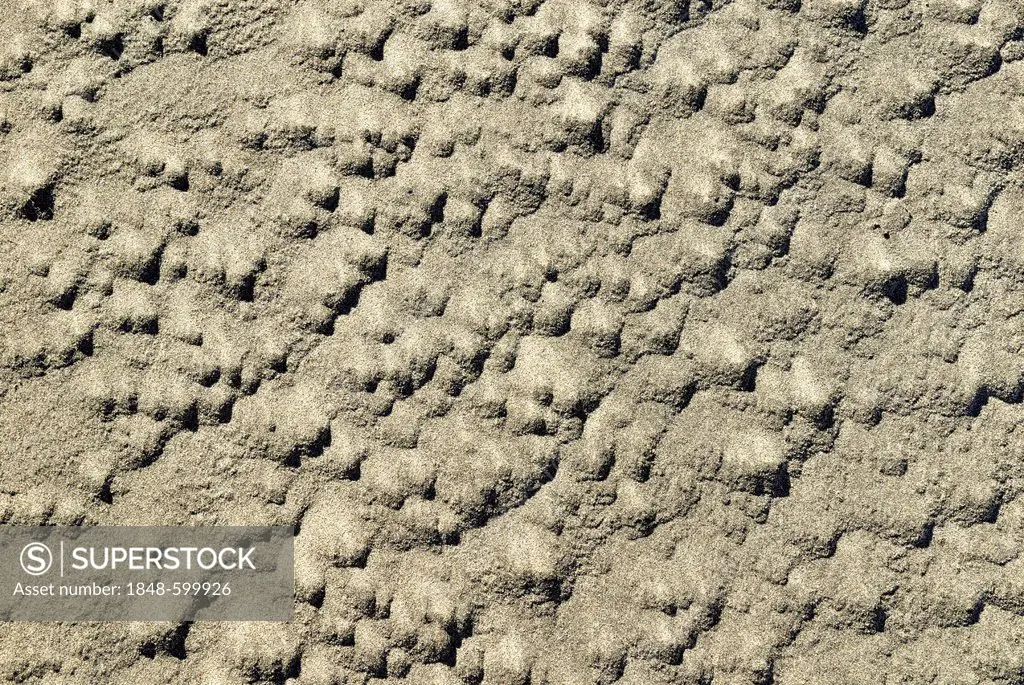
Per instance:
x=581, y=342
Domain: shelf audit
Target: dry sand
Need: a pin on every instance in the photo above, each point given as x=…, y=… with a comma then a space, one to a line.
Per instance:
x=582, y=342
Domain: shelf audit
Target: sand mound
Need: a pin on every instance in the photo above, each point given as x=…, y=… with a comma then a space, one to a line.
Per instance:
x=582, y=342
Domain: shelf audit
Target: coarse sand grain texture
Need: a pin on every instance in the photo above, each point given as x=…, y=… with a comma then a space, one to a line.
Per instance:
x=580, y=341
